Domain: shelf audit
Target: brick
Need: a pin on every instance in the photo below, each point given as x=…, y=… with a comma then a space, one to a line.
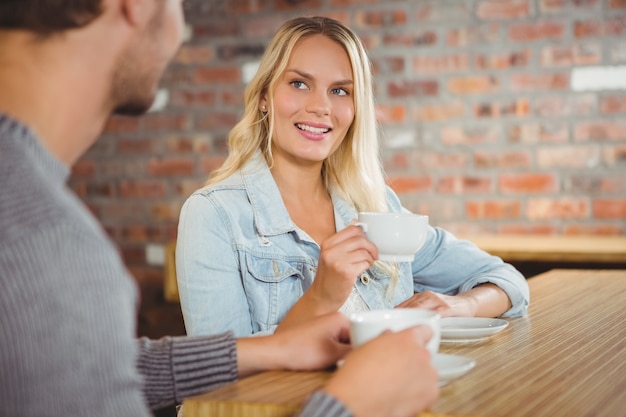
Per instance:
x=494, y=209
x=388, y=65
x=184, y=188
x=348, y=3
x=464, y=184
x=617, y=4
x=615, y=26
x=615, y=156
x=178, y=77
x=193, y=98
x=122, y=168
x=567, y=6
x=216, y=76
x=210, y=163
x=133, y=255
x=240, y=52
x=438, y=209
x=84, y=169
x=473, y=85
x=569, y=157
x=125, y=210
x=439, y=111
x=171, y=166
x=426, y=38
x=162, y=121
x=440, y=161
x=390, y=114
x=528, y=183
x=534, y=229
x=122, y=124
x=248, y=7
x=518, y=108
x=380, y=18
x=503, y=160
x=487, y=33
x=165, y=211
x=540, y=31
x=132, y=146
x=139, y=233
x=597, y=230
x=549, y=131
x=403, y=185
x=600, y=130
x=570, y=105
x=499, y=61
x=439, y=64
x=503, y=9
x=531, y=82
x=613, y=103
x=215, y=29
x=609, y=209
x=571, y=55
x=442, y=11
x=396, y=161
x=194, y=54
x=412, y=88
x=589, y=183
x=562, y=208
x=100, y=189
x=234, y=96
x=196, y=144
x=141, y=189
x=470, y=135
x=211, y=121
x=282, y=5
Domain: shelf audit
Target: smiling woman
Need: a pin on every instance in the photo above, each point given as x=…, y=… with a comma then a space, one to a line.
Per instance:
x=270, y=242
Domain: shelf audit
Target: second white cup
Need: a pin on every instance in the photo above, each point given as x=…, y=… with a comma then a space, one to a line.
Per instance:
x=366, y=325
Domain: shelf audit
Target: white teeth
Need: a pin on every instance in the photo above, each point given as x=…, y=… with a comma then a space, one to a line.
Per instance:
x=312, y=129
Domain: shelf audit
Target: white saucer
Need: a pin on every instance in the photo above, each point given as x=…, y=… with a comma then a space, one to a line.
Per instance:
x=470, y=329
x=450, y=367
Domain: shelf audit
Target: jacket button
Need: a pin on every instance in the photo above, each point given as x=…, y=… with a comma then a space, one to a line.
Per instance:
x=365, y=279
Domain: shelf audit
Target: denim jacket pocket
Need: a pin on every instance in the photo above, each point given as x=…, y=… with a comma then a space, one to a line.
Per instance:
x=272, y=287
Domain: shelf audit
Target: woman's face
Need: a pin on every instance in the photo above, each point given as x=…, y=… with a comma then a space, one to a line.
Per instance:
x=313, y=102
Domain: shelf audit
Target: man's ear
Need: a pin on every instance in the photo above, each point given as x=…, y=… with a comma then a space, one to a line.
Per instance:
x=133, y=11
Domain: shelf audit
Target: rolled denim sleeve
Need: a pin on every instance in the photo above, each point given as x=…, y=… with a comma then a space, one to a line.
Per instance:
x=207, y=270
x=449, y=265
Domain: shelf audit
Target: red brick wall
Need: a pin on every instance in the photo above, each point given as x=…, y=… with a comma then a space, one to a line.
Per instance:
x=481, y=128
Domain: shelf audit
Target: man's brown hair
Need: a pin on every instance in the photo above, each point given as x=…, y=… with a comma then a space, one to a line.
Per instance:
x=46, y=17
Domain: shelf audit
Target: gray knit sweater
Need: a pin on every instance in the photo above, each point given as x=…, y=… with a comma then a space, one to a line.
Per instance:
x=68, y=308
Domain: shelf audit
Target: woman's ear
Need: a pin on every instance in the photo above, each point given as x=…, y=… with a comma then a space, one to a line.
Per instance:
x=263, y=105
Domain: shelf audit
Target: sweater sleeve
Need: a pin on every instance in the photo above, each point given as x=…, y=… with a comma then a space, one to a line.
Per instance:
x=321, y=404
x=175, y=368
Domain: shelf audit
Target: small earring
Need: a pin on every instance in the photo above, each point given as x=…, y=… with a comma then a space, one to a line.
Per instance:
x=264, y=108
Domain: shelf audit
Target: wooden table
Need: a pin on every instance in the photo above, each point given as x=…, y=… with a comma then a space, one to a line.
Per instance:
x=567, y=357
x=542, y=248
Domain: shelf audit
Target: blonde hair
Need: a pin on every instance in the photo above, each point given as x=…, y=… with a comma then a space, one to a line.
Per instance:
x=354, y=169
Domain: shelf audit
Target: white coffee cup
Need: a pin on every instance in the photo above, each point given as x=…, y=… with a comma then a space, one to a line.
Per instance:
x=398, y=236
x=366, y=325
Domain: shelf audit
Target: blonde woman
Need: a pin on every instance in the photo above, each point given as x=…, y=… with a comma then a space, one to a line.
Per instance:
x=268, y=242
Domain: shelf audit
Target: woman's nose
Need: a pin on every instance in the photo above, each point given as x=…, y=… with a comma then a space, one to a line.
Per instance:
x=318, y=103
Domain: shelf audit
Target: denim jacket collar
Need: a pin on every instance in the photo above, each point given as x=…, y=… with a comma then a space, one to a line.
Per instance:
x=270, y=214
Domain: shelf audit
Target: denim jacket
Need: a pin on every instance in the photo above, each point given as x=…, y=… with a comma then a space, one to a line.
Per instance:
x=242, y=263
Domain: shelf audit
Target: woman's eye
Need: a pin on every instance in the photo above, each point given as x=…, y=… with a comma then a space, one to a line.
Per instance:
x=298, y=84
x=340, y=91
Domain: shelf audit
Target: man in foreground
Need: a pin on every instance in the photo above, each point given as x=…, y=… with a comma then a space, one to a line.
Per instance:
x=68, y=304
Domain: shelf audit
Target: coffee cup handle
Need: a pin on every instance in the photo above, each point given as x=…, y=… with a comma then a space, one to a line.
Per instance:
x=362, y=226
